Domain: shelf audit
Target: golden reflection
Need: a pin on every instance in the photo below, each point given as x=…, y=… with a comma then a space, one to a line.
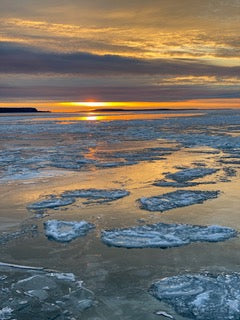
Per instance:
x=89, y=118
x=122, y=116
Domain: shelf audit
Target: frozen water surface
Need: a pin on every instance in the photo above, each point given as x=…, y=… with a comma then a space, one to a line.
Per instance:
x=163, y=235
x=71, y=143
x=201, y=297
x=176, y=199
x=85, y=161
x=65, y=231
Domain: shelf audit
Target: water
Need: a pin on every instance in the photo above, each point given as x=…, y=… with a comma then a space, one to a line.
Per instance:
x=43, y=155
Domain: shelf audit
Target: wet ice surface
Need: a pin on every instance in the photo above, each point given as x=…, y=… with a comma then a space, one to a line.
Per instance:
x=66, y=231
x=190, y=174
x=26, y=295
x=176, y=199
x=163, y=235
x=201, y=297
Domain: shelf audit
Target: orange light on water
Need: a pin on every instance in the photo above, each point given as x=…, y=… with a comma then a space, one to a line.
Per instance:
x=90, y=118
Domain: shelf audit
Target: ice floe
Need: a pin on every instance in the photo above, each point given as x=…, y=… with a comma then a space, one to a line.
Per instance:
x=176, y=199
x=66, y=231
x=161, y=235
x=201, y=297
x=104, y=195
x=42, y=295
x=174, y=184
x=51, y=202
x=191, y=174
x=69, y=197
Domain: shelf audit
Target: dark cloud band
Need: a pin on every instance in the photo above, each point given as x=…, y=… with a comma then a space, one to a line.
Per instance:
x=16, y=59
x=143, y=93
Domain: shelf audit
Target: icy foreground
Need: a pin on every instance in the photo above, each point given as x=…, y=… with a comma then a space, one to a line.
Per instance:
x=191, y=174
x=201, y=297
x=176, y=199
x=163, y=235
x=66, y=231
x=41, y=296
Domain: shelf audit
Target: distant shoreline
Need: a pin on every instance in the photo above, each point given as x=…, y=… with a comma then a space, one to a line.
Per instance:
x=140, y=110
x=20, y=110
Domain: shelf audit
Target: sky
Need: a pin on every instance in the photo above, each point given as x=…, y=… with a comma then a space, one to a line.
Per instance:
x=64, y=55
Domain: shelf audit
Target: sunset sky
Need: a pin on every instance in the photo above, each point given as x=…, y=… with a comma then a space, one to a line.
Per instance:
x=179, y=53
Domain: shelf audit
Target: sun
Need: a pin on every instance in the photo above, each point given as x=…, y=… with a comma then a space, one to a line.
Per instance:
x=84, y=104
x=93, y=104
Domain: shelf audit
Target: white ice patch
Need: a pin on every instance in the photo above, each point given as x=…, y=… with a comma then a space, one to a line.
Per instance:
x=201, y=297
x=179, y=198
x=161, y=235
x=6, y=313
x=63, y=276
x=164, y=314
x=66, y=231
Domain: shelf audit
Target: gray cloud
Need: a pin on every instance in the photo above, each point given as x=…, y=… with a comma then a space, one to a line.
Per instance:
x=16, y=59
x=137, y=93
x=162, y=13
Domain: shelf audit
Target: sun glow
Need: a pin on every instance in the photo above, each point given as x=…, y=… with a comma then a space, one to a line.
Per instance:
x=92, y=106
x=89, y=104
x=90, y=118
